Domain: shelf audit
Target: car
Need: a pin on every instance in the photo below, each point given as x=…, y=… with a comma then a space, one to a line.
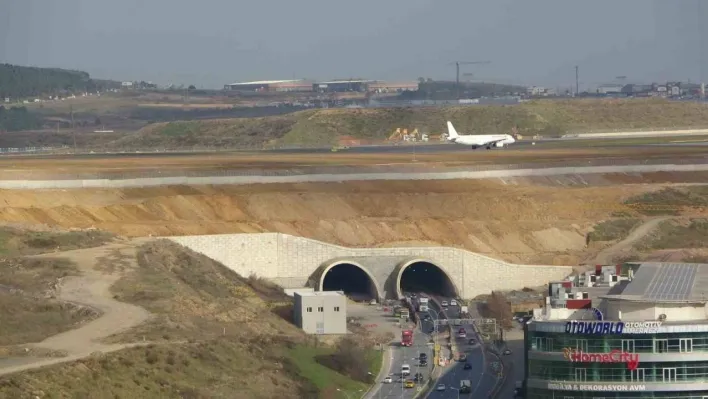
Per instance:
x=453, y=303
x=443, y=303
x=472, y=341
x=410, y=384
x=440, y=387
x=423, y=363
x=507, y=352
x=422, y=356
x=444, y=308
x=388, y=380
x=463, y=357
x=462, y=334
x=467, y=366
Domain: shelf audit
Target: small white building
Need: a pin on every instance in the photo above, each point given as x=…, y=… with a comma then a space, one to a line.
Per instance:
x=321, y=312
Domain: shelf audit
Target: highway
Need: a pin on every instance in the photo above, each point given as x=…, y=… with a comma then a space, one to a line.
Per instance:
x=408, y=355
x=480, y=375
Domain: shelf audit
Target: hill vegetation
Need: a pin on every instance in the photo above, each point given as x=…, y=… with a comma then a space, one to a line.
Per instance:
x=212, y=334
x=327, y=126
x=17, y=118
x=22, y=81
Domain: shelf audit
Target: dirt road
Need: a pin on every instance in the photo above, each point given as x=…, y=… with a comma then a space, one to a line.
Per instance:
x=90, y=289
x=624, y=246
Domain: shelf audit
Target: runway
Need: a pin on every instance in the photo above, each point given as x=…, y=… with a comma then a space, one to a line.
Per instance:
x=420, y=148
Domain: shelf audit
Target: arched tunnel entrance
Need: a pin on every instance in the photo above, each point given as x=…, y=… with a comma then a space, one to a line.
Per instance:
x=351, y=278
x=426, y=277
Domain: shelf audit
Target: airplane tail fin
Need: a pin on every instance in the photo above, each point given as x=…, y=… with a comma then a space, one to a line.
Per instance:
x=451, y=132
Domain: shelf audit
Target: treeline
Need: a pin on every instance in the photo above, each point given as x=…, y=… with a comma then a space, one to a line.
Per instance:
x=17, y=118
x=23, y=82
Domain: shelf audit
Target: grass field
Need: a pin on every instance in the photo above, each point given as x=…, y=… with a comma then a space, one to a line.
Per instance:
x=669, y=201
x=673, y=234
x=327, y=126
x=613, y=229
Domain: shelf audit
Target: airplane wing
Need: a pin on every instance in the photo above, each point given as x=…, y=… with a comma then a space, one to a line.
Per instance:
x=492, y=142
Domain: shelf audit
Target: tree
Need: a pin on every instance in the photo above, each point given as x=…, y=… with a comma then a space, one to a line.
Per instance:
x=191, y=87
x=499, y=308
x=23, y=82
x=97, y=122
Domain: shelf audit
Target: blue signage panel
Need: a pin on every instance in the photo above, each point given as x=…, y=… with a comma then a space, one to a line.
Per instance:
x=594, y=327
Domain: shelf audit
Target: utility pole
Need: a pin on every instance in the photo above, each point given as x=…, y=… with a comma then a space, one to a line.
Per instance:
x=457, y=74
x=73, y=131
x=577, y=81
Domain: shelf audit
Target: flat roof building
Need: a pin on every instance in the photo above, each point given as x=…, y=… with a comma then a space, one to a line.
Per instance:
x=321, y=312
x=271, y=85
x=638, y=330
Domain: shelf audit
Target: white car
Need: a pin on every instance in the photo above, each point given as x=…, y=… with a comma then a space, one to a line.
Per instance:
x=443, y=303
x=440, y=387
x=453, y=303
x=388, y=380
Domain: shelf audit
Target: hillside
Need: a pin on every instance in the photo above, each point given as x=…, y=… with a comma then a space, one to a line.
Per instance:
x=517, y=222
x=326, y=126
x=172, y=324
x=21, y=81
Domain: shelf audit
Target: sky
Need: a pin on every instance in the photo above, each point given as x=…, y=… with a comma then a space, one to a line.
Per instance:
x=209, y=43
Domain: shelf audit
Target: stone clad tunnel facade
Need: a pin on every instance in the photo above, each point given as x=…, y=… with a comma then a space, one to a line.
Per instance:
x=294, y=262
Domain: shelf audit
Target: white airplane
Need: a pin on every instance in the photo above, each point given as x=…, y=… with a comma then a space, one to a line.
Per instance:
x=478, y=140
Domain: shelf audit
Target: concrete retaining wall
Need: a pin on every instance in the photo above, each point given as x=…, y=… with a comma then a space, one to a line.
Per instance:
x=237, y=180
x=291, y=261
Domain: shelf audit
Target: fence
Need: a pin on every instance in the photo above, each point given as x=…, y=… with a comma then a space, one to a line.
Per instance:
x=408, y=169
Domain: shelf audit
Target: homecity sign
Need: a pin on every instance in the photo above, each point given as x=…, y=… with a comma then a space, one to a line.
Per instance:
x=615, y=356
x=611, y=327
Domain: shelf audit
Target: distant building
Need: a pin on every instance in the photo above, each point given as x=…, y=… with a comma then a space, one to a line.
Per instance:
x=321, y=312
x=611, y=88
x=126, y=84
x=392, y=87
x=339, y=86
x=271, y=86
x=537, y=91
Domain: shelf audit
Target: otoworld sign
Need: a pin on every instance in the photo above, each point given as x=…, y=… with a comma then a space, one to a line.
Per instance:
x=615, y=356
x=611, y=327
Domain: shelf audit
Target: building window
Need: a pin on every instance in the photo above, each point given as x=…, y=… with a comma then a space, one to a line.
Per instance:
x=309, y=309
x=336, y=308
x=320, y=309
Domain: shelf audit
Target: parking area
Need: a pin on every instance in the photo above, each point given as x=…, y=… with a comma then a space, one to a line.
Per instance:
x=377, y=319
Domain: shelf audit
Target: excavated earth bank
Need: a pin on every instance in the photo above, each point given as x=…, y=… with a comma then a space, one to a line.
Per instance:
x=543, y=219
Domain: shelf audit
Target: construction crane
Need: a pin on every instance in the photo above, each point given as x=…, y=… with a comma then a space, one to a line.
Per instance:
x=457, y=75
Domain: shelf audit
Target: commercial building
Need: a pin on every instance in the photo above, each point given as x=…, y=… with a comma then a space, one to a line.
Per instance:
x=293, y=85
x=638, y=330
x=321, y=312
x=340, y=86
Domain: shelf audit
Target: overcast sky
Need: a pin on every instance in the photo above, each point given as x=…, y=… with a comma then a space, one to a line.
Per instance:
x=212, y=42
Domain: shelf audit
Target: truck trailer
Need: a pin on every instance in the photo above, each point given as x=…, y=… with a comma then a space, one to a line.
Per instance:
x=422, y=304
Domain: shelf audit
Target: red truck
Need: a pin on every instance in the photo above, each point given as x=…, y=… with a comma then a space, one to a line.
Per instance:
x=407, y=338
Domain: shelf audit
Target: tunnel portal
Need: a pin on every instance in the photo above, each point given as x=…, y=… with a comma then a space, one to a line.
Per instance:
x=350, y=278
x=425, y=277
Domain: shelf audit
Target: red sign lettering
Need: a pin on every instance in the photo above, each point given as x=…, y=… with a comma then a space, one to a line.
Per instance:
x=615, y=356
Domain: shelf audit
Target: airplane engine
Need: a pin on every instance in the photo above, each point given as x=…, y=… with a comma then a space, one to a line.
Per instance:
x=499, y=145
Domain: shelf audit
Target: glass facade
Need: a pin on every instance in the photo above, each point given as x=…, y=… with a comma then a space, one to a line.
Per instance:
x=639, y=343
x=581, y=375
x=546, y=394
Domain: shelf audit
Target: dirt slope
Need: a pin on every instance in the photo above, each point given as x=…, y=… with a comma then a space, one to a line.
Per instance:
x=90, y=289
x=518, y=222
x=544, y=117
